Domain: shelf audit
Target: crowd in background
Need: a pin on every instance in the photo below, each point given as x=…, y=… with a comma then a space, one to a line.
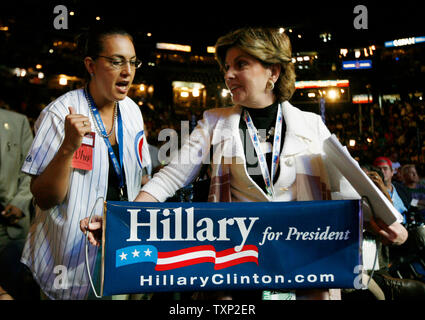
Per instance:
x=397, y=131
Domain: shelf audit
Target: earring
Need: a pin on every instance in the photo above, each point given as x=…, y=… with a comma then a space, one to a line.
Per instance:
x=92, y=74
x=270, y=85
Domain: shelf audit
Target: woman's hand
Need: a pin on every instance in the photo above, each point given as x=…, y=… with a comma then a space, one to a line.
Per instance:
x=12, y=214
x=94, y=229
x=145, y=197
x=76, y=126
x=394, y=234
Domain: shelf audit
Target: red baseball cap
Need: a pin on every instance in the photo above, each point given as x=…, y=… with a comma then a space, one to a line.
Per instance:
x=382, y=160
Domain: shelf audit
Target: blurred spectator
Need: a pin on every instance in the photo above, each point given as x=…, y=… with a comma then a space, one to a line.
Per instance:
x=15, y=203
x=394, y=160
x=416, y=190
x=398, y=193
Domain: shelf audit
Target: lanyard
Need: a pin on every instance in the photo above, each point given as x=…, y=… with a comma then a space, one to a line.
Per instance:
x=116, y=165
x=268, y=179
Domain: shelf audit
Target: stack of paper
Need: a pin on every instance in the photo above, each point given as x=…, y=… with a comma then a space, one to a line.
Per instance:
x=349, y=167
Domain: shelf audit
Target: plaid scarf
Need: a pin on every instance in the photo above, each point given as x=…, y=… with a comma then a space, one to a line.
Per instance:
x=312, y=181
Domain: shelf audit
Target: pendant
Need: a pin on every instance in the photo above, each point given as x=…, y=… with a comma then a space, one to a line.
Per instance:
x=122, y=198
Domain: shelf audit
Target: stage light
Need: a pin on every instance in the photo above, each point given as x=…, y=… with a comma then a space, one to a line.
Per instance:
x=224, y=93
x=333, y=94
x=63, y=81
x=195, y=92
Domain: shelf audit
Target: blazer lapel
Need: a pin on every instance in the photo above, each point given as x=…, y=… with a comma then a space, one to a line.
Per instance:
x=226, y=134
x=298, y=136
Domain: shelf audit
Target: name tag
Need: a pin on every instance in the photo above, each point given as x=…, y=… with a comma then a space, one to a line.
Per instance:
x=88, y=139
x=266, y=147
x=83, y=157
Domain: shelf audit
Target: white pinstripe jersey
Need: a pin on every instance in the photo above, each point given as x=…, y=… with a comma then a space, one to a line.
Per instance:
x=55, y=238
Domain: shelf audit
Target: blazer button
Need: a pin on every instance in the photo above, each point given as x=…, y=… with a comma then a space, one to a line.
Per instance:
x=289, y=162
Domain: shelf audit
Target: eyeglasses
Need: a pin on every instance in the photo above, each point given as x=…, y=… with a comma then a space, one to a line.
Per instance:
x=120, y=62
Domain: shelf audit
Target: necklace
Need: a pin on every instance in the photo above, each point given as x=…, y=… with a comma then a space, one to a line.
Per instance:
x=113, y=123
x=95, y=122
x=269, y=134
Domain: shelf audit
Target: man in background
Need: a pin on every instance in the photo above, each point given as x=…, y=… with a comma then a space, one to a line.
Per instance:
x=415, y=189
x=15, y=201
x=398, y=193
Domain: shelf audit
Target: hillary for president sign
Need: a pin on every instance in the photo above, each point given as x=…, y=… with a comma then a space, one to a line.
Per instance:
x=152, y=247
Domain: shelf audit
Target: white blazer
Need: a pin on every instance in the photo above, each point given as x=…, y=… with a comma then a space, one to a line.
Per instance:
x=304, y=137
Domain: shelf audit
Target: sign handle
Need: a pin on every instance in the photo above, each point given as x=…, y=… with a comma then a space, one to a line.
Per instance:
x=87, y=253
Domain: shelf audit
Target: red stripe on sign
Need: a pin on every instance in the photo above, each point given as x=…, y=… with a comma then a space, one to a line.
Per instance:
x=186, y=250
x=232, y=250
x=185, y=263
x=235, y=262
x=206, y=253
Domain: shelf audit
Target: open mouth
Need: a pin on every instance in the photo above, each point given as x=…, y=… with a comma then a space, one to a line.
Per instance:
x=233, y=87
x=122, y=86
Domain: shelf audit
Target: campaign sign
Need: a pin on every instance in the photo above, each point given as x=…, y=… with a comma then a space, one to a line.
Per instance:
x=152, y=247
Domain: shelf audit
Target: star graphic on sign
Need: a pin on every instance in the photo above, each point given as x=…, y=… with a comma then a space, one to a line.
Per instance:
x=147, y=252
x=135, y=253
x=123, y=256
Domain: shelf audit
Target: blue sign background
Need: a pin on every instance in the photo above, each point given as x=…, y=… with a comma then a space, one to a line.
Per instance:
x=294, y=259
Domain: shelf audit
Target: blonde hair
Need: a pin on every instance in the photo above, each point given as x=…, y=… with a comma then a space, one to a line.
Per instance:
x=269, y=47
